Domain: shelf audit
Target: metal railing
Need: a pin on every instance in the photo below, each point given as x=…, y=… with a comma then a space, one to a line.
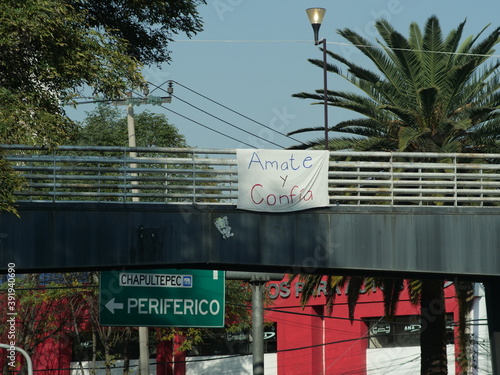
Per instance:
x=180, y=175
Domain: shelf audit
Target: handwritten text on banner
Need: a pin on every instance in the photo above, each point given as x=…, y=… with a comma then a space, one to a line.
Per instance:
x=282, y=180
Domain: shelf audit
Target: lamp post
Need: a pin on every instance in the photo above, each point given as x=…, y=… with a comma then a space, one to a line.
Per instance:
x=316, y=17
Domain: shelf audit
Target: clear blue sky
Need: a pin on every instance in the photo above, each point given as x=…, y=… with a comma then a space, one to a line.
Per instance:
x=252, y=56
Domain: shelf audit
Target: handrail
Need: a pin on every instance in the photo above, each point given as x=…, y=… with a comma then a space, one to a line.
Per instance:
x=208, y=176
x=29, y=362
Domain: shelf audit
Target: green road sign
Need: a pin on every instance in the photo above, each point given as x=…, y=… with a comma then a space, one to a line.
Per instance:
x=162, y=298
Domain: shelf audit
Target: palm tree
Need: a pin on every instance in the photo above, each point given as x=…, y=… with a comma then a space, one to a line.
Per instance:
x=428, y=293
x=427, y=94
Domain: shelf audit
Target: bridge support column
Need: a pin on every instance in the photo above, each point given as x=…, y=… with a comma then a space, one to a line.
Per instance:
x=492, y=292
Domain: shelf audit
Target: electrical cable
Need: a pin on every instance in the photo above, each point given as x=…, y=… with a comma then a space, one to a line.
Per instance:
x=366, y=335
x=339, y=44
x=156, y=87
x=280, y=310
x=198, y=123
x=272, y=309
x=239, y=113
x=220, y=119
x=226, y=122
x=206, y=127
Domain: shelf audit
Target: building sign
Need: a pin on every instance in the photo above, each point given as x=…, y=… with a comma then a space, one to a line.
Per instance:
x=282, y=180
x=162, y=298
x=155, y=280
x=285, y=290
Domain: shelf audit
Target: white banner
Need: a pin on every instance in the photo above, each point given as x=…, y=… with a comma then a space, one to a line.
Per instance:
x=282, y=180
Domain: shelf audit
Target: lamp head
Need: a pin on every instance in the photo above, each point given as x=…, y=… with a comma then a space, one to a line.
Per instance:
x=316, y=17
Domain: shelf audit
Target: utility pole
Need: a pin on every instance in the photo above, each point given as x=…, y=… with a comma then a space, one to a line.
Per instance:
x=130, y=102
x=132, y=143
x=143, y=331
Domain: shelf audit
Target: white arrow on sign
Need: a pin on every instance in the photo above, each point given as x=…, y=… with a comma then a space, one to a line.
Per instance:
x=112, y=305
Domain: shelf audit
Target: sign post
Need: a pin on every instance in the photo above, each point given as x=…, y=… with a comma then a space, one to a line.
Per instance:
x=162, y=298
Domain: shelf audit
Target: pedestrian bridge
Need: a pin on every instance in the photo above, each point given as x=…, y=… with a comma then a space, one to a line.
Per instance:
x=392, y=213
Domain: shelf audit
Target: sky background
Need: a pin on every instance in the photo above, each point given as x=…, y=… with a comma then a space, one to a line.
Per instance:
x=252, y=56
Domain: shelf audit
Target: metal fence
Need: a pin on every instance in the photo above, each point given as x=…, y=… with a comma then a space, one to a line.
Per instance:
x=180, y=175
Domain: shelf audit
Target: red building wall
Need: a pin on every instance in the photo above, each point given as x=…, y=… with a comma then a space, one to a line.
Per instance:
x=311, y=343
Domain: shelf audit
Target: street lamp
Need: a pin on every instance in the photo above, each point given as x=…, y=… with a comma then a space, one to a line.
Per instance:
x=316, y=17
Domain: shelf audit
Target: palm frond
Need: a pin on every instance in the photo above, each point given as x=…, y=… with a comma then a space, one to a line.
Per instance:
x=329, y=67
x=356, y=70
x=306, y=130
x=312, y=144
x=311, y=283
x=392, y=288
x=428, y=101
x=452, y=41
x=382, y=60
x=435, y=59
x=353, y=292
x=414, y=291
x=333, y=283
x=408, y=61
x=407, y=115
x=408, y=136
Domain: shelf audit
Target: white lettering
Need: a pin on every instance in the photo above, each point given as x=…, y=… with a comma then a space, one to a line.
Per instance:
x=142, y=303
x=188, y=305
x=214, y=310
x=203, y=301
x=177, y=306
x=169, y=306
x=132, y=303
x=153, y=305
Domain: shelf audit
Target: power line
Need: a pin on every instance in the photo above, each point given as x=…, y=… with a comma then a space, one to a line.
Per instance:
x=198, y=123
x=239, y=113
x=189, y=119
x=366, y=335
x=220, y=119
x=207, y=127
x=340, y=44
x=226, y=122
x=470, y=322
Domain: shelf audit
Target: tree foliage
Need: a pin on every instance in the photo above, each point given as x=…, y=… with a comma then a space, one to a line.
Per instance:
x=46, y=57
x=10, y=182
x=428, y=93
x=51, y=49
x=146, y=26
x=107, y=126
